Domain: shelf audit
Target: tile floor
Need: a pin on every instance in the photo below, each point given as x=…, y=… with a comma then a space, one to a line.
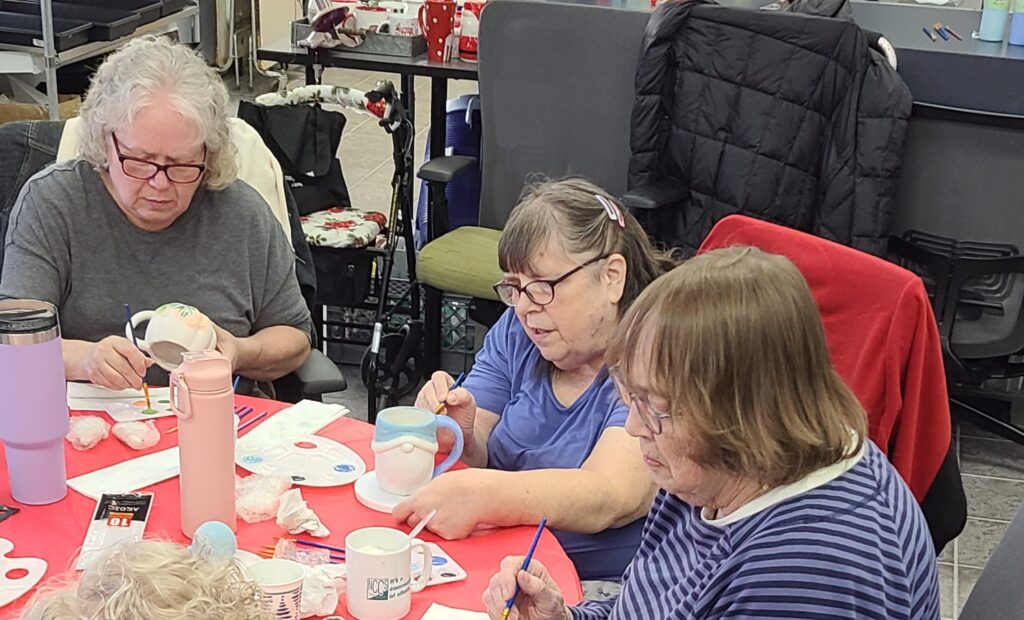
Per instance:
x=993, y=468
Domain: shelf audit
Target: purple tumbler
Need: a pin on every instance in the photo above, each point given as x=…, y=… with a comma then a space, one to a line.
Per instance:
x=33, y=401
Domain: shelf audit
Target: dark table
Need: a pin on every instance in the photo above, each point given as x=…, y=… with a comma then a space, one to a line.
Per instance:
x=408, y=68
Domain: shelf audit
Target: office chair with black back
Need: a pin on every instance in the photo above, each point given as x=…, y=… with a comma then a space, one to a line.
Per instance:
x=463, y=261
x=977, y=291
x=30, y=146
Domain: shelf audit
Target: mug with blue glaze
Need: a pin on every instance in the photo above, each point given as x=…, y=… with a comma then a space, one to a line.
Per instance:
x=404, y=445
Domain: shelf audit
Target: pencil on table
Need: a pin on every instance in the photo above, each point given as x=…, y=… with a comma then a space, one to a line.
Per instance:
x=310, y=543
x=241, y=411
x=252, y=421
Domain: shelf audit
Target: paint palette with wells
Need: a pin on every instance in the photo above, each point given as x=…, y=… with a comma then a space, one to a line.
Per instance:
x=309, y=460
x=137, y=410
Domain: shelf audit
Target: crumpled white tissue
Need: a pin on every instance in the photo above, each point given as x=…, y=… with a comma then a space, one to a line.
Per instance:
x=297, y=517
x=137, y=434
x=320, y=589
x=257, y=497
x=86, y=431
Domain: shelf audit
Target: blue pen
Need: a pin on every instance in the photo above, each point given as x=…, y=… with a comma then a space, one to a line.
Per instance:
x=942, y=32
x=526, y=565
x=458, y=382
x=929, y=34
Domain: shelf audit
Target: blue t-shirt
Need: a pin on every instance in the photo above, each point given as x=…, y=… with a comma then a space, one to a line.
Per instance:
x=536, y=431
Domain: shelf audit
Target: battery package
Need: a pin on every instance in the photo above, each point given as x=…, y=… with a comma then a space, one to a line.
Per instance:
x=118, y=519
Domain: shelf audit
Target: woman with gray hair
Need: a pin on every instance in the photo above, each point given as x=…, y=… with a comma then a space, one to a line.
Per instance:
x=543, y=429
x=153, y=213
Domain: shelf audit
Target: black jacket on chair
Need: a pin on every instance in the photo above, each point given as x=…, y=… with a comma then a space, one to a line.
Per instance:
x=785, y=116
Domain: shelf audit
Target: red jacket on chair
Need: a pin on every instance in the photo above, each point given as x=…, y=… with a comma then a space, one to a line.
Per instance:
x=882, y=337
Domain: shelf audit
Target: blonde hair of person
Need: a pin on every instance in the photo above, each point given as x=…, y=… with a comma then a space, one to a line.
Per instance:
x=150, y=580
x=570, y=213
x=153, y=68
x=738, y=350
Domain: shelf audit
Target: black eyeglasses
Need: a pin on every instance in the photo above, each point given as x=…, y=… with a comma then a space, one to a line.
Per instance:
x=145, y=170
x=651, y=417
x=540, y=292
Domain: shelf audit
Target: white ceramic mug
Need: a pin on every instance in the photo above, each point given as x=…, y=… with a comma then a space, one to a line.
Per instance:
x=281, y=583
x=404, y=444
x=378, y=572
x=404, y=25
x=173, y=329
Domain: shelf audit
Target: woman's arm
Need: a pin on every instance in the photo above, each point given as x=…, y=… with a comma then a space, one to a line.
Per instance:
x=611, y=489
x=475, y=452
x=269, y=354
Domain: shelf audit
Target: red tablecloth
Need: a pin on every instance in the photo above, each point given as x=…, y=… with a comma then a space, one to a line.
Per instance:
x=55, y=532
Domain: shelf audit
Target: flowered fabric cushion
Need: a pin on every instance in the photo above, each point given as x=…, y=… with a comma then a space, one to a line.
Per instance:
x=343, y=228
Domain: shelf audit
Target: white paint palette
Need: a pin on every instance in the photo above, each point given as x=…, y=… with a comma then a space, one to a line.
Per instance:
x=12, y=588
x=444, y=570
x=308, y=460
x=137, y=410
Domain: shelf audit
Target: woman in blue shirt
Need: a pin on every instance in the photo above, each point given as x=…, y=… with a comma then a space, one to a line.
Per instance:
x=773, y=501
x=543, y=427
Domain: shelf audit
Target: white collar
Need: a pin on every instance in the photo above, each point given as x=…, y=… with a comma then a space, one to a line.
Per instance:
x=811, y=481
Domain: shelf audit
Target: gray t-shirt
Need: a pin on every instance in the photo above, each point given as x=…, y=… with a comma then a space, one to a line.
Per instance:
x=69, y=243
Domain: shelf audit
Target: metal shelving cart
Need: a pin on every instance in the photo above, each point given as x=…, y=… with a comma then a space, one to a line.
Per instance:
x=17, y=59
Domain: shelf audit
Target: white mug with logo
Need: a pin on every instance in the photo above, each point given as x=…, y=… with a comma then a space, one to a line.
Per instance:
x=173, y=329
x=378, y=567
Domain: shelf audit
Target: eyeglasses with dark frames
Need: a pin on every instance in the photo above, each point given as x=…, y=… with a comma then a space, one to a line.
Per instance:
x=145, y=170
x=651, y=417
x=540, y=292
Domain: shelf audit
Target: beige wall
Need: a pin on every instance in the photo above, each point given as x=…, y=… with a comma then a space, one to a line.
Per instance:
x=275, y=16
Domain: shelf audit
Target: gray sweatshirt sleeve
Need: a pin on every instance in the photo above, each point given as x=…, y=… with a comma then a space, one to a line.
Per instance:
x=37, y=249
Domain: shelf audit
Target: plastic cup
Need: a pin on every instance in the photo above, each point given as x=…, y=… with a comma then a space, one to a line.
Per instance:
x=281, y=582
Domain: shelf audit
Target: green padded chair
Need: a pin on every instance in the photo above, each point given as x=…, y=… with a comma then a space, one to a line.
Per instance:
x=463, y=261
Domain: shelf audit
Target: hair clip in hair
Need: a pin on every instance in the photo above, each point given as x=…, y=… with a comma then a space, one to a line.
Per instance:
x=613, y=211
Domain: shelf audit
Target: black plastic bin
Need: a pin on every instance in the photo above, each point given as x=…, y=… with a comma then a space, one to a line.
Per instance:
x=107, y=24
x=173, y=6
x=148, y=10
x=21, y=29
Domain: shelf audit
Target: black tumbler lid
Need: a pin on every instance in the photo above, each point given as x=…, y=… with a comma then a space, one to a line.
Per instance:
x=26, y=316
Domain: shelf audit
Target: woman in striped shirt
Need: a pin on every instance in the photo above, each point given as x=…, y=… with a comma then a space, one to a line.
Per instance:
x=773, y=501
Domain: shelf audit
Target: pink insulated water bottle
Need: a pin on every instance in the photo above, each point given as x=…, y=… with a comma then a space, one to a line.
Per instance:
x=33, y=401
x=202, y=398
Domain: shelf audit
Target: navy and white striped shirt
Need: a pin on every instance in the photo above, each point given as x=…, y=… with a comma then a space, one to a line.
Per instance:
x=854, y=547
